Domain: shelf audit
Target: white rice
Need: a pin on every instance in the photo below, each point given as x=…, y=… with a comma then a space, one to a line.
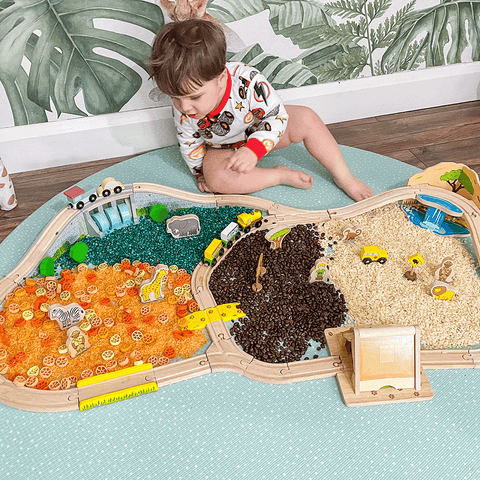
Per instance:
x=380, y=294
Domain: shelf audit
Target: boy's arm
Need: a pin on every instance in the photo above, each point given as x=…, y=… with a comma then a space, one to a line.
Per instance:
x=271, y=122
x=192, y=147
x=271, y=116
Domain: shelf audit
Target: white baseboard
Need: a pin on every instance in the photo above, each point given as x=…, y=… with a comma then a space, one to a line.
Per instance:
x=44, y=145
x=386, y=94
x=38, y=146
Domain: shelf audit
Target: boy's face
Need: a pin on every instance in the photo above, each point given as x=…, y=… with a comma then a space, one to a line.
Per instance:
x=204, y=99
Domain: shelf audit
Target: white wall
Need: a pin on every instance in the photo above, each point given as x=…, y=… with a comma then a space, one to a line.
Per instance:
x=72, y=141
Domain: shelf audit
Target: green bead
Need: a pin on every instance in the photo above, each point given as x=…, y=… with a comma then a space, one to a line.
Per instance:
x=158, y=213
x=78, y=252
x=47, y=267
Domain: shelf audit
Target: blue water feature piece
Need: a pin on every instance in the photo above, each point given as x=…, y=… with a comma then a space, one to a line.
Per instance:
x=441, y=204
x=113, y=218
x=448, y=228
x=433, y=220
x=101, y=221
x=124, y=214
x=437, y=210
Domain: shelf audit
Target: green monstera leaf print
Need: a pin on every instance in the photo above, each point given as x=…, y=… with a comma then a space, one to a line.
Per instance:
x=457, y=22
x=232, y=10
x=298, y=20
x=60, y=43
x=279, y=72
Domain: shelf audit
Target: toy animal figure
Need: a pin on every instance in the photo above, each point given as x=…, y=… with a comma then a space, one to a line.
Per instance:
x=446, y=271
x=8, y=200
x=66, y=316
x=77, y=342
x=319, y=272
x=350, y=234
x=183, y=9
x=183, y=226
x=151, y=290
x=442, y=291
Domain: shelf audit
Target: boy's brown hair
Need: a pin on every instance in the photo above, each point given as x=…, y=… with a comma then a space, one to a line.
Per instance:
x=187, y=54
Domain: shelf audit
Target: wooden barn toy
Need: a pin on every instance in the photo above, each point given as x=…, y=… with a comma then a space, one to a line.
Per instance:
x=381, y=364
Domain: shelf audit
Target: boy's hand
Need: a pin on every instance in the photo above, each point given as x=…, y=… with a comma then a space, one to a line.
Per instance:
x=242, y=161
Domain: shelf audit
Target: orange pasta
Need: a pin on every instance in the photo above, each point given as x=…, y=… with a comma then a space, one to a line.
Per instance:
x=148, y=332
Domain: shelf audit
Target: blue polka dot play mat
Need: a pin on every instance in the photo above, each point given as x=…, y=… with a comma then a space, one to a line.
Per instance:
x=225, y=426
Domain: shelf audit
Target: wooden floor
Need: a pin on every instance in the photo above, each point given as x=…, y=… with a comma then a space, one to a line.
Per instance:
x=421, y=138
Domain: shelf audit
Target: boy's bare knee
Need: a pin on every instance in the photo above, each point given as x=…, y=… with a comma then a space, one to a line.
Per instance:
x=302, y=121
x=214, y=173
x=299, y=120
x=307, y=116
x=214, y=181
x=210, y=182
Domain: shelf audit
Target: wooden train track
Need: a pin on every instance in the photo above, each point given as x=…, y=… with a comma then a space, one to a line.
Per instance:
x=223, y=353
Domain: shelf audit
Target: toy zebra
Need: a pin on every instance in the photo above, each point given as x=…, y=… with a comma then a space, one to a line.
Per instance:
x=66, y=316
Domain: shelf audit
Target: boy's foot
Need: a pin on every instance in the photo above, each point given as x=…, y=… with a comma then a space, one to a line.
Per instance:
x=294, y=178
x=355, y=188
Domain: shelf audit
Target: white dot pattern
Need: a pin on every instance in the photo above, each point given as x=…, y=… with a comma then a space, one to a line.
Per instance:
x=224, y=426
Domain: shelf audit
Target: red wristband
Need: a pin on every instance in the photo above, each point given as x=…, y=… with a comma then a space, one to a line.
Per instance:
x=257, y=147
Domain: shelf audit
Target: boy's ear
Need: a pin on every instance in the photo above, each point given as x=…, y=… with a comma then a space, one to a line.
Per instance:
x=223, y=76
x=199, y=7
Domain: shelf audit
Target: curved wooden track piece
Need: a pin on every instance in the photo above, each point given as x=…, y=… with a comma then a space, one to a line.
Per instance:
x=224, y=354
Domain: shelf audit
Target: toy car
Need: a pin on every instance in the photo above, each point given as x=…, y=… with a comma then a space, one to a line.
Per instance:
x=373, y=254
x=108, y=186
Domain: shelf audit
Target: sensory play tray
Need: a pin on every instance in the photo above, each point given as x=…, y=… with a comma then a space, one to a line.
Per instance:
x=177, y=285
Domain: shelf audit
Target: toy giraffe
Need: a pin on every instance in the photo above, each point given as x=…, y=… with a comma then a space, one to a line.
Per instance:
x=7, y=192
x=151, y=290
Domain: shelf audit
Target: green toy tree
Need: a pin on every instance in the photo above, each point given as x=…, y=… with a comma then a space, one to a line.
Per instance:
x=277, y=237
x=158, y=213
x=78, y=252
x=458, y=179
x=47, y=267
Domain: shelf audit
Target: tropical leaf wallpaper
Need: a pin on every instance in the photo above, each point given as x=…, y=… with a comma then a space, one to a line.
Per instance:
x=49, y=51
x=72, y=58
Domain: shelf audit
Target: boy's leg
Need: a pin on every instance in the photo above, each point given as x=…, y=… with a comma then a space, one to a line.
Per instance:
x=305, y=125
x=219, y=179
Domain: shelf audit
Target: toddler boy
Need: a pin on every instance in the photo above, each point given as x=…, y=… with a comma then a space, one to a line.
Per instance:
x=228, y=116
